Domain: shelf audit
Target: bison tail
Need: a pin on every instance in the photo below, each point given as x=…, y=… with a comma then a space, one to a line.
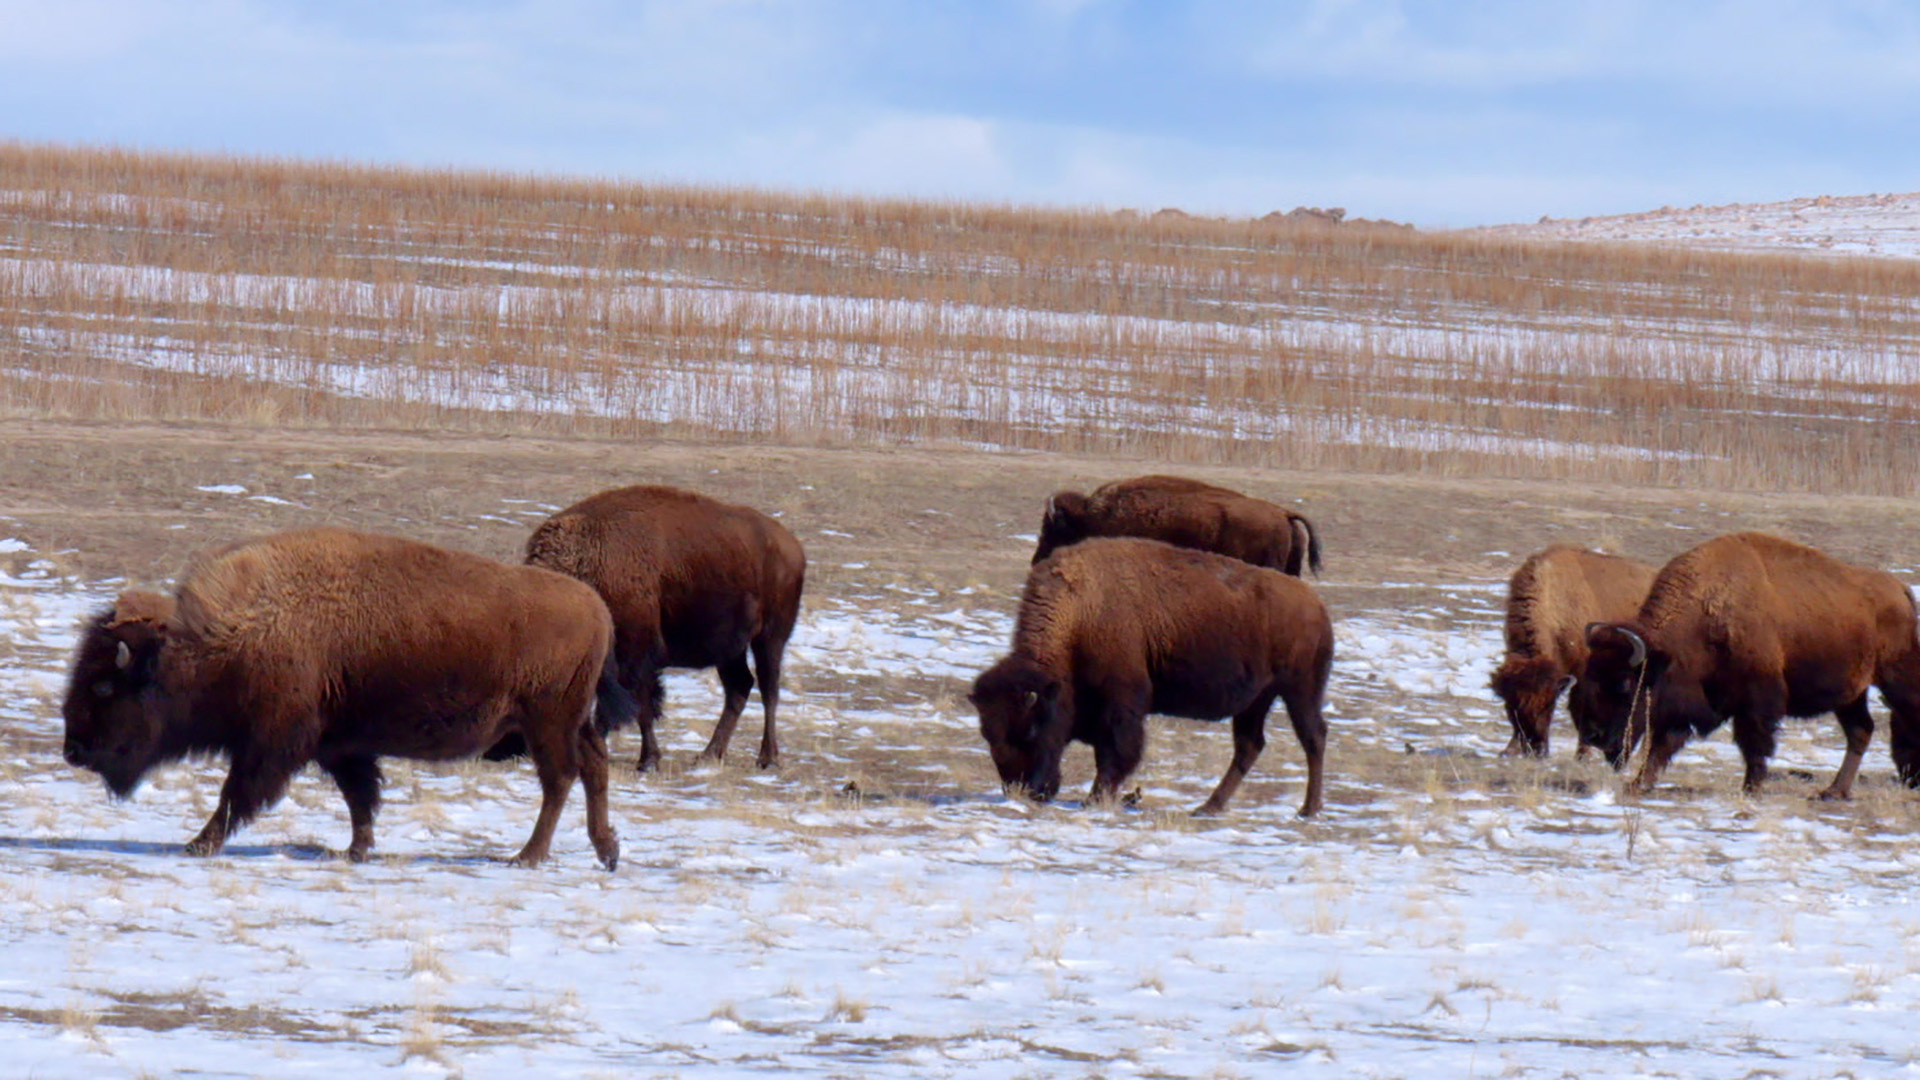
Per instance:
x=614, y=705
x=1306, y=547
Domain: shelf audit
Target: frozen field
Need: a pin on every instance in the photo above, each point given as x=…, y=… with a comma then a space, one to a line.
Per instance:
x=1450, y=915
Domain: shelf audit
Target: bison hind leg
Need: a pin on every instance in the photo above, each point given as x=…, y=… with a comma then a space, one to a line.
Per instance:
x=1856, y=722
x=768, y=653
x=1899, y=684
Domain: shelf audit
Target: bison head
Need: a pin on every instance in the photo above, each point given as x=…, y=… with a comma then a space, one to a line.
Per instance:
x=1527, y=687
x=1063, y=525
x=1020, y=719
x=1634, y=686
x=1628, y=683
x=113, y=720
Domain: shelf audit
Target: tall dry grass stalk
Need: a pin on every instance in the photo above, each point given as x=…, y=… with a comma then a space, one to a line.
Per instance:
x=138, y=285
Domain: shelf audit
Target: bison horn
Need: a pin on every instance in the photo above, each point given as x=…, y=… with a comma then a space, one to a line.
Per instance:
x=1639, y=643
x=1639, y=646
x=123, y=657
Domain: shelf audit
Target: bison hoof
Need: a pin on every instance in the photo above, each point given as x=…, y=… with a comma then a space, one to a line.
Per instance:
x=358, y=855
x=610, y=860
x=201, y=847
x=769, y=762
x=1833, y=795
x=1209, y=809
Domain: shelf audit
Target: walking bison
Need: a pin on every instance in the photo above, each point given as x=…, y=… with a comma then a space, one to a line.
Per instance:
x=1185, y=513
x=1551, y=599
x=337, y=647
x=692, y=582
x=1751, y=627
x=1112, y=629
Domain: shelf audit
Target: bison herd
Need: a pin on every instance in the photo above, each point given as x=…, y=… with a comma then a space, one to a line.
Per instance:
x=1152, y=595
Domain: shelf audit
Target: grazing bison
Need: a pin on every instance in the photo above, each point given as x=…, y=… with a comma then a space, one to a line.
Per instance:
x=1112, y=629
x=1185, y=513
x=1750, y=627
x=339, y=647
x=692, y=583
x=1551, y=599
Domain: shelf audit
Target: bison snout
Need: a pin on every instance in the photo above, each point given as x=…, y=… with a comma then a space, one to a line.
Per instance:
x=76, y=754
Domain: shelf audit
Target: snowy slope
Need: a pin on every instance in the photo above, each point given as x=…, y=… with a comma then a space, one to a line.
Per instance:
x=1855, y=224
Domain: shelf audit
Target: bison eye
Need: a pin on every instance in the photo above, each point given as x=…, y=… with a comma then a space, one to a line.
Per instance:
x=103, y=689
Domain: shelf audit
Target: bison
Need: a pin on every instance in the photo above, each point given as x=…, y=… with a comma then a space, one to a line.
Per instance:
x=1551, y=599
x=338, y=647
x=1110, y=630
x=1185, y=513
x=692, y=583
x=1751, y=627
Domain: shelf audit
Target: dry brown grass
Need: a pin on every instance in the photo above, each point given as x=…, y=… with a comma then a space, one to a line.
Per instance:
x=149, y=286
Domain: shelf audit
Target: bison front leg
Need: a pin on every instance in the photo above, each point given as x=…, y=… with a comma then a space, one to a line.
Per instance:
x=254, y=782
x=592, y=754
x=358, y=778
x=1857, y=723
x=1660, y=749
x=1754, y=733
x=650, y=694
x=1118, y=755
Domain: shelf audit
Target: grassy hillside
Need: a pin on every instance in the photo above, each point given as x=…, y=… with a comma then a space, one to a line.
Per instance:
x=145, y=286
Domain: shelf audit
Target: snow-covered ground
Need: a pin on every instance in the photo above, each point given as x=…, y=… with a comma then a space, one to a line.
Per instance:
x=1856, y=224
x=1449, y=915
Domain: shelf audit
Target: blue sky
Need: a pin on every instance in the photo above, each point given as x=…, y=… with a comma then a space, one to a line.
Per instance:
x=1437, y=113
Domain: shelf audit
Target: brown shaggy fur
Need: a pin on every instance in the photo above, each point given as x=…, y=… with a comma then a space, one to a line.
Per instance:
x=338, y=647
x=1550, y=601
x=692, y=583
x=1750, y=627
x=1112, y=629
x=1185, y=513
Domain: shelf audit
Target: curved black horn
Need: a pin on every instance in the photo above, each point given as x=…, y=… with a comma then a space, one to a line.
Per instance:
x=1639, y=656
x=1639, y=646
